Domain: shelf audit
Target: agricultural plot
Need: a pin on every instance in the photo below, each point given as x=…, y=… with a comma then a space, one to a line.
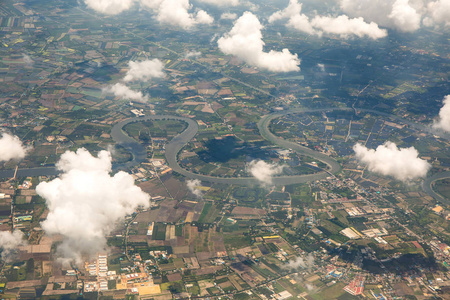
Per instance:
x=159, y=232
x=443, y=188
x=235, y=241
x=209, y=213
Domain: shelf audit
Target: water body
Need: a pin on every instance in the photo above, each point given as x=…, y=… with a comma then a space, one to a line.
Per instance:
x=428, y=183
x=179, y=141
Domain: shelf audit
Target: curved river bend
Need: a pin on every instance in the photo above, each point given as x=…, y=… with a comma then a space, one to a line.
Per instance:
x=178, y=142
x=172, y=149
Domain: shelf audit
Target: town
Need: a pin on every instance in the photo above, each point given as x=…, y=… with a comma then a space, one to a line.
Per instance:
x=323, y=226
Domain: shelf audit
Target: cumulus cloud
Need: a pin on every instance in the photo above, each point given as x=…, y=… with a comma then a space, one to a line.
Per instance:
x=263, y=171
x=124, y=92
x=85, y=202
x=321, y=67
x=213, y=38
x=109, y=7
x=301, y=23
x=193, y=186
x=345, y=27
x=176, y=13
x=228, y=16
x=9, y=243
x=152, y=4
x=300, y=263
x=245, y=41
x=144, y=70
x=341, y=25
x=203, y=17
x=402, y=15
x=438, y=13
x=251, y=6
x=294, y=8
x=27, y=59
x=221, y=2
x=11, y=147
x=443, y=122
x=389, y=160
x=138, y=71
x=296, y=19
x=192, y=54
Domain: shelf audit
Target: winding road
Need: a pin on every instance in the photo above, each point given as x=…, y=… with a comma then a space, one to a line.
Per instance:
x=172, y=149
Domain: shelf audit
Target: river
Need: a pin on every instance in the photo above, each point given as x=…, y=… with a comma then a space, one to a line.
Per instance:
x=139, y=153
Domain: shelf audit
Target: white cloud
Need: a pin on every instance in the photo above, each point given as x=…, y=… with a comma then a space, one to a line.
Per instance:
x=321, y=67
x=144, y=70
x=344, y=27
x=402, y=15
x=438, y=13
x=251, y=6
x=341, y=25
x=85, y=202
x=193, y=186
x=221, y=2
x=27, y=59
x=192, y=54
x=401, y=163
x=296, y=19
x=11, y=147
x=263, y=171
x=203, y=17
x=245, y=41
x=405, y=17
x=152, y=4
x=213, y=38
x=110, y=7
x=301, y=23
x=228, y=16
x=9, y=242
x=124, y=92
x=176, y=13
x=300, y=263
x=443, y=122
x=294, y=8
x=138, y=71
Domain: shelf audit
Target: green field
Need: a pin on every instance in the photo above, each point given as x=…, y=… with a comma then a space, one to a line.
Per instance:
x=443, y=188
x=209, y=213
x=300, y=194
x=205, y=212
x=235, y=241
x=159, y=232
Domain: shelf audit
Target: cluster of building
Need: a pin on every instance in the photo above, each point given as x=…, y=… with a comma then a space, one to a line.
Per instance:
x=98, y=269
x=356, y=286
